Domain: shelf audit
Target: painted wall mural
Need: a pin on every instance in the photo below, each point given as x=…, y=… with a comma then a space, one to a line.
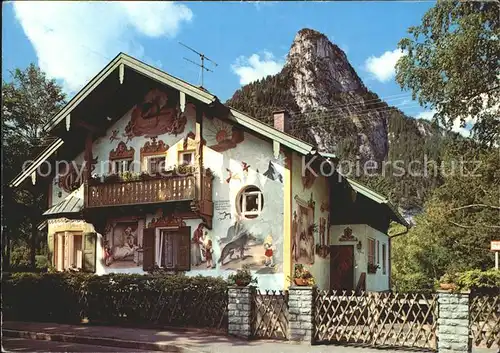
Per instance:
x=202, y=251
x=308, y=179
x=221, y=136
x=323, y=249
x=272, y=173
x=242, y=247
x=347, y=235
x=303, y=231
x=122, y=245
x=114, y=136
x=156, y=115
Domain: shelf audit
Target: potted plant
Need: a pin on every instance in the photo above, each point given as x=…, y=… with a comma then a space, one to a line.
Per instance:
x=447, y=282
x=302, y=276
x=372, y=268
x=242, y=277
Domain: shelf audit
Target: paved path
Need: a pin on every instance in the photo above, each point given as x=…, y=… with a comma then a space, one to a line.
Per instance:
x=178, y=341
x=29, y=345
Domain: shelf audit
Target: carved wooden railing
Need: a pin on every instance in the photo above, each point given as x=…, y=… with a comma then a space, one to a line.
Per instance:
x=171, y=188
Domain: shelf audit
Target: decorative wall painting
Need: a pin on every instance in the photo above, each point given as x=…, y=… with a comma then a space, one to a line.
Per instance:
x=322, y=249
x=347, y=235
x=221, y=136
x=202, y=252
x=272, y=173
x=122, y=246
x=158, y=114
x=241, y=247
x=303, y=231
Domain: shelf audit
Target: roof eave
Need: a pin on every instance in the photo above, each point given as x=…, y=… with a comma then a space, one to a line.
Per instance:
x=138, y=66
x=270, y=132
x=42, y=157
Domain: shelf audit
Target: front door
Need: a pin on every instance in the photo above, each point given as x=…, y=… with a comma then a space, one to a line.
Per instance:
x=341, y=267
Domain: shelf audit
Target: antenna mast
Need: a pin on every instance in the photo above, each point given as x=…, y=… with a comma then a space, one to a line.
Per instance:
x=203, y=57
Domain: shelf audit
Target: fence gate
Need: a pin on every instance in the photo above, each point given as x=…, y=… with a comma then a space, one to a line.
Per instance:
x=484, y=311
x=376, y=319
x=270, y=314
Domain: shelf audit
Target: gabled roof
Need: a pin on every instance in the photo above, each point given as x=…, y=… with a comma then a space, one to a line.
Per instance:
x=119, y=62
x=376, y=197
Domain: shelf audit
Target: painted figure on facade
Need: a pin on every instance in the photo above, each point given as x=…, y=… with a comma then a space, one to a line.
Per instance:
x=268, y=253
x=322, y=248
x=196, y=246
x=107, y=253
x=155, y=116
x=121, y=245
x=127, y=246
x=208, y=250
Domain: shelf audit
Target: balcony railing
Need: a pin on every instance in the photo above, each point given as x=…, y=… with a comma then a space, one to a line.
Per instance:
x=120, y=193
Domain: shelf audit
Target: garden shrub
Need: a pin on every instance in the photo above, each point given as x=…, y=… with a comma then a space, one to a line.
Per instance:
x=174, y=300
x=479, y=281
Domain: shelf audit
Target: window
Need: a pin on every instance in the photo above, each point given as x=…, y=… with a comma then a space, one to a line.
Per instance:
x=378, y=252
x=251, y=202
x=384, y=266
x=155, y=164
x=371, y=251
x=121, y=166
x=186, y=157
x=68, y=250
x=173, y=249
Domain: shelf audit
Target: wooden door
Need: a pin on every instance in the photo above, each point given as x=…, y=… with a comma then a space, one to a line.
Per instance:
x=341, y=267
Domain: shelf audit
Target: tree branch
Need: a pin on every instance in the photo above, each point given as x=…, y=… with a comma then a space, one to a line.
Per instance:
x=474, y=226
x=475, y=205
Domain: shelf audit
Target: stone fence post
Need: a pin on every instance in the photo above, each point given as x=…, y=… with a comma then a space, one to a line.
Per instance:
x=301, y=313
x=240, y=308
x=453, y=323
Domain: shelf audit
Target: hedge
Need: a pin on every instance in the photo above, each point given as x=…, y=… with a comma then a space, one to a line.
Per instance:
x=173, y=300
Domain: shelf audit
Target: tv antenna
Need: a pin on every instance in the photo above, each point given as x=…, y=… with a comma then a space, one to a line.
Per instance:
x=203, y=57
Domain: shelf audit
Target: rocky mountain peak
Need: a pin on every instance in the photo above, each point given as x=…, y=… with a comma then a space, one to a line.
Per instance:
x=319, y=68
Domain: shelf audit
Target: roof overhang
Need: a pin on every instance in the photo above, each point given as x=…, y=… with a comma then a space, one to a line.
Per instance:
x=32, y=168
x=71, y=204
x=117, y=66
x=376, y=197
x=270, y=132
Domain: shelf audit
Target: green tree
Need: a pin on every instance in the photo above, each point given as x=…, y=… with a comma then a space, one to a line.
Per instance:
x=29, y=100
x=452, y=64
x=460, y=219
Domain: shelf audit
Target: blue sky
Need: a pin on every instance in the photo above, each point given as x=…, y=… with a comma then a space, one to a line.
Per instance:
x=73, y=41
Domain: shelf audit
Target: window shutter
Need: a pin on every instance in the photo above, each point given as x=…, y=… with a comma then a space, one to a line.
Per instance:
x=183, y=249
x=148, y=246
x=89, y=252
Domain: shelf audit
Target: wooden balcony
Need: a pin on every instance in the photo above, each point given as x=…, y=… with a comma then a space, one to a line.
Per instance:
x=121, y=193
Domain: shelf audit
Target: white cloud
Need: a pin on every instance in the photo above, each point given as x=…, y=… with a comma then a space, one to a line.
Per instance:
x=464, y=131
x=383, y=67
x=253, y=68
x=426, y=115
x=75, y=40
